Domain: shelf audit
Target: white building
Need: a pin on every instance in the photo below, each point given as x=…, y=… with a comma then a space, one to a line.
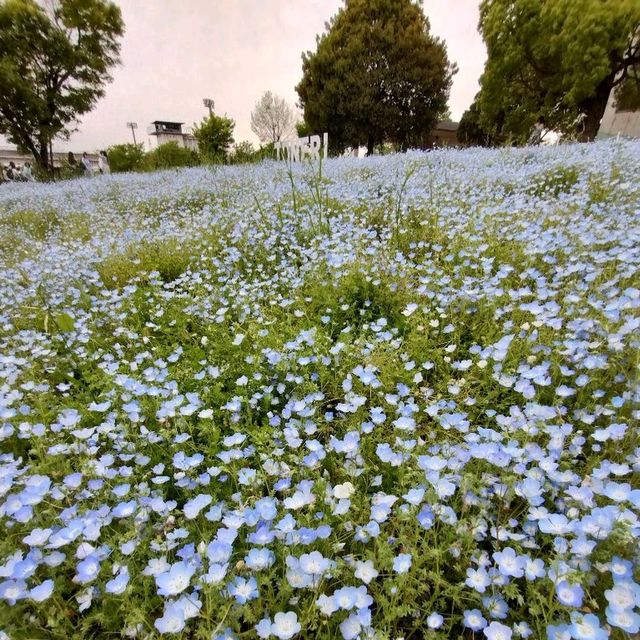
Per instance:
x=172, y=132
x=619, y=121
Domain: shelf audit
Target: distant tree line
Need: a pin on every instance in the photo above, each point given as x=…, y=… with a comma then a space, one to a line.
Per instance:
x=378, y=77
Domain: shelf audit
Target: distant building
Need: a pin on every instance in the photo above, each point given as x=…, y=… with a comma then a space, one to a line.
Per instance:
x=618, y=121
x=172, y=132
x=443, y=134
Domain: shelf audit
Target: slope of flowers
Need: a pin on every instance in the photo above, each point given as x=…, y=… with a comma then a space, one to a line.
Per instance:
x=384, y=398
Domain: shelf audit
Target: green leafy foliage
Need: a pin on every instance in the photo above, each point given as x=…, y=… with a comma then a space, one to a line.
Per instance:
x=628, y=91
x=125, y=157
x=556, y=58
x=55, y=60
x=215, y=136
x=243, y=152
x=377, y=75
x=169, y=155
x=471, y=131
x=64, y=322
x=303, y=129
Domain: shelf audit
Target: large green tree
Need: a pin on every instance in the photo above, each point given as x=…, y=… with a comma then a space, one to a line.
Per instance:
x=377, y=75
x=55, y=59
x=555, y=58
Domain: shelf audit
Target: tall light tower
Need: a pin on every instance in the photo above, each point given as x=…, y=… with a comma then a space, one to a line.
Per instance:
x=133, y=126
x=209, y=103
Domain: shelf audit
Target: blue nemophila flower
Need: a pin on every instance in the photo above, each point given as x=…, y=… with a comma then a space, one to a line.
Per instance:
x=263, y=628
x=314, y=563
x=435, y=621
x=351, y=627
x=243, y=590
x=625, y=619
x=124, y=509
x=42, y=592
x=175, y=580
x=194, y=506
x=556, y=523
x=285, y=625
x=495, y=606
x=497, y=631
x=559, y=632
x=119, y=583
x=623, y=595
x=478, y=579
x=534, y=568
x=474, y=620
x=215, y=574
x=402, y=563
x=349, y=445
x=172, y=620
x=259, y=559
x=87, y=570
x=621, y=569
x=569, y=594
x=345, y=598
x=509, y=563
x=13, y=590
x=586, y=627
x=327, y=604
x=297, y=577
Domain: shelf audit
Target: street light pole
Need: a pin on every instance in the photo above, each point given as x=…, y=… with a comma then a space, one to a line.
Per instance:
x=133, y=126
x=208, y=102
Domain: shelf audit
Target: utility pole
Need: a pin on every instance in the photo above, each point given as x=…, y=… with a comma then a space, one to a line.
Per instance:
x=133, y=126
x=208, y=102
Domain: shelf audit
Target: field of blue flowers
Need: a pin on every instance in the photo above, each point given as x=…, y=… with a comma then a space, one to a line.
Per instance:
x=392, y=398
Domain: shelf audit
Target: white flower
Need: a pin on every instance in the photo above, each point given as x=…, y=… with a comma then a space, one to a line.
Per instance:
x=344, y=490
x=365, y=571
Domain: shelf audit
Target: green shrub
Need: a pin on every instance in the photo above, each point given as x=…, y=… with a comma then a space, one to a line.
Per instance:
x=214, y=136
x=125, y=157
x=169, y=156
x=243, y=152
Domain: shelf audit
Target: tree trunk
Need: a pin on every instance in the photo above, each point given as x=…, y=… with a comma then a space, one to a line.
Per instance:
x=370, y=145
x=593, y=108
x=42, y=156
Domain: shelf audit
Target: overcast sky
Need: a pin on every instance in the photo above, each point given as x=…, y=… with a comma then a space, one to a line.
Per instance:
x=177, y=52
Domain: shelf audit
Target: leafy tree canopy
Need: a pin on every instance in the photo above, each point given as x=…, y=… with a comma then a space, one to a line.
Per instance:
x=628, y=92
x=377, y=75
x=555, y=58
x=214, y=135
x=470, y=130
x=55, y=59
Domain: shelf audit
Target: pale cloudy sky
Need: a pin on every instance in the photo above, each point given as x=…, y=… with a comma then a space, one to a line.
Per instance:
x=176, y=52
